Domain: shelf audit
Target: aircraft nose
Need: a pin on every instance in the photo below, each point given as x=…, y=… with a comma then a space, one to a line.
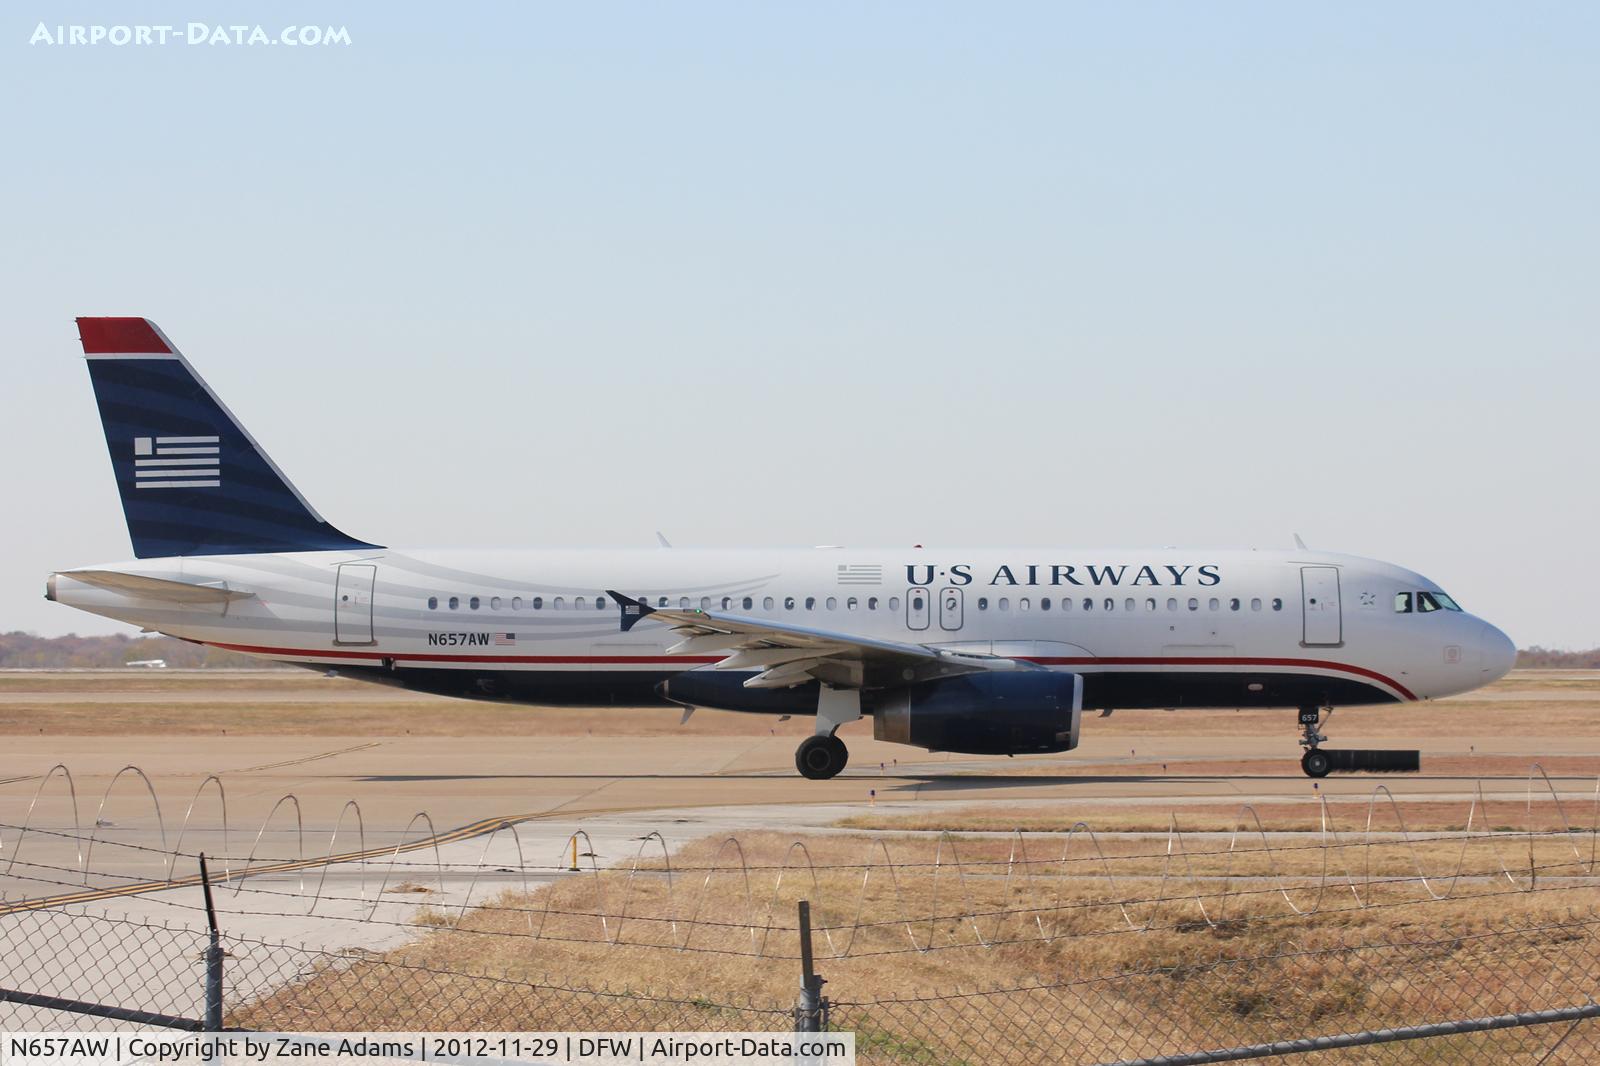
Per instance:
x=1498, y=652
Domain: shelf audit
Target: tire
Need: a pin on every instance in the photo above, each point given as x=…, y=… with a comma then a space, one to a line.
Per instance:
x=1316, y=763
x=820, y=758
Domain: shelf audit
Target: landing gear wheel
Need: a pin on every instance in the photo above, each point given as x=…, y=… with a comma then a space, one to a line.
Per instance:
x=820, y=758
x=1316, y=763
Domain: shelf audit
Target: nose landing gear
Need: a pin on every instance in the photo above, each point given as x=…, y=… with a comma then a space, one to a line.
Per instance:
x=1315, y=761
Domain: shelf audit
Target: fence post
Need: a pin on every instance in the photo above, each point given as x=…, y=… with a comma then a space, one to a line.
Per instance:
x=213, y=1018
x=811, y=1012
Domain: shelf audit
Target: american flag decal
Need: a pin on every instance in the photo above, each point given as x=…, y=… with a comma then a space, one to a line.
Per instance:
x=860, y=574
x=177, y=462
x=503, y=640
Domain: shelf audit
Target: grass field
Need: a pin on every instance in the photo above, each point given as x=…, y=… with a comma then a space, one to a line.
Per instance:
x=1546, y=703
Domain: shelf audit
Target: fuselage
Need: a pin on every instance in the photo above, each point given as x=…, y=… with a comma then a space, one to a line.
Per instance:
x=1145, y=628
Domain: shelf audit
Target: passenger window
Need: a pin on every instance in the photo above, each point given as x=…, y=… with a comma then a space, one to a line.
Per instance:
x=1150, y=604
x=516, y=603
x=1130, y=603
x=683, y=603
x=600, y=603
x=1172, y=603
x=1088, y=604
x=788, y=603
x=727, y=602
x=1255, y=604
x=851, y=604
x=811, y=603
x=1277, y=604
x=538, y=603
x=455, y=601
x=494, y=603
x=749, y=603
x=983, y=603
x=1111, y=604
x=1023, y=604
x=894, y=603
x=766, y=603
x=705, y=603
x=833, y=603
x=473, y=603
x=557, y=603
x=659, y=603
x=1194, y=604
x=433, y=603
x=1003, y=603
x=1402, y=603
x=1233, y=604
x=1066, y=603
x=1215, y=604
x=1044, y=603
x=872, y=603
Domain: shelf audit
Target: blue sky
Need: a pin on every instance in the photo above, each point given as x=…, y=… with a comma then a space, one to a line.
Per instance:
x=865, y=274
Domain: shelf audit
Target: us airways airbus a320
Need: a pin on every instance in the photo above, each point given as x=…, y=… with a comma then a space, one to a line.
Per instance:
x=984, y=651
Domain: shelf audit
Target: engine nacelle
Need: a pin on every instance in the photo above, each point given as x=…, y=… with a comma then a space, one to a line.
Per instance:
x=985, y=714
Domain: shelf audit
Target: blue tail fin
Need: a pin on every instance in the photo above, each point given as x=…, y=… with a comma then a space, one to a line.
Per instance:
x=193, y=482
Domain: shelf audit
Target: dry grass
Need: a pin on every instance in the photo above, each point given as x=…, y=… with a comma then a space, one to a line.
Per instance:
x=1555, y=704
x=1343, y=816
x=722, y=930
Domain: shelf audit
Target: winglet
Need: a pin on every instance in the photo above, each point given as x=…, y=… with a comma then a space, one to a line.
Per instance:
x=633, y=611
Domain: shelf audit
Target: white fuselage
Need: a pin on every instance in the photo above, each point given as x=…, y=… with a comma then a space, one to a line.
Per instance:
x=1146, y=628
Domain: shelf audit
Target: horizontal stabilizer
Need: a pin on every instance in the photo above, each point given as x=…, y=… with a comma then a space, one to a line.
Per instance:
x=159, y=588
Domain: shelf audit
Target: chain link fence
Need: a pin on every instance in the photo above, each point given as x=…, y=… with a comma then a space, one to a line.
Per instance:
x=1481, y=995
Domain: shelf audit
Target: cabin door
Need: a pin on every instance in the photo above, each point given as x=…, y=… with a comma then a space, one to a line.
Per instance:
x=352, y=604
x=1319, y=597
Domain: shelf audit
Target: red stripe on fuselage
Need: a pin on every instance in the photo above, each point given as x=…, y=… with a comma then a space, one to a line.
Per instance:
x=691, y=660
x=1138, y=660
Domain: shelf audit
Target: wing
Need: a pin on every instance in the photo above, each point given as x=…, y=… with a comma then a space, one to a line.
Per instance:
x=786, y=654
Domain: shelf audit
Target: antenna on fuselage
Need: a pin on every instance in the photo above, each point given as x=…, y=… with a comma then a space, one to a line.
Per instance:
x=661, y=540
x=1298, y=543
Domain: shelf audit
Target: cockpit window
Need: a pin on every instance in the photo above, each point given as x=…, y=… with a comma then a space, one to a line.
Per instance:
x=1402, y=603
x=1435, y=601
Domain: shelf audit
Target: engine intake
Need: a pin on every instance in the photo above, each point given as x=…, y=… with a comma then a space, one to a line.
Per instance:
x=985, y=714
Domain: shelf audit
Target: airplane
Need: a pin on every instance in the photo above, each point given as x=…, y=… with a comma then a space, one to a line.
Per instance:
x=989, y=651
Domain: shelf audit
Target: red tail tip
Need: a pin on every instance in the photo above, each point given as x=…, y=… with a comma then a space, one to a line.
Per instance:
x=120, y=336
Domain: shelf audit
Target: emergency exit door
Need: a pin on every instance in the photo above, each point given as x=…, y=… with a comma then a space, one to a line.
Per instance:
x=352, y=604
x=917, y=612
x=950, y=608
x=1319, y=599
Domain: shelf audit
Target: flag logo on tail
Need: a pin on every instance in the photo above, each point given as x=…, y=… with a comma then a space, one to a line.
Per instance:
x=505, y=640
x=177, y=462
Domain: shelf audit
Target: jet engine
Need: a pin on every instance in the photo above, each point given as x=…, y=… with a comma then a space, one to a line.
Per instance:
x=985, y=714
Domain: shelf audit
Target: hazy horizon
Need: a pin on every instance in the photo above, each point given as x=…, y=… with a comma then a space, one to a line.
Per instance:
x=1034, y=275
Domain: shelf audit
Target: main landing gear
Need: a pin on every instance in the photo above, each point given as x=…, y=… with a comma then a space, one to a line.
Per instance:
x=820, y=758
x=823, y=755
x=1315, y=761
